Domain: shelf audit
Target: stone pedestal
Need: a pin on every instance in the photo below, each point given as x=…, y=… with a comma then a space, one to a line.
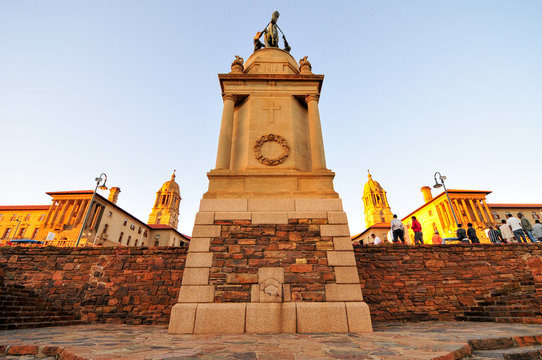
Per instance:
x=270, y=250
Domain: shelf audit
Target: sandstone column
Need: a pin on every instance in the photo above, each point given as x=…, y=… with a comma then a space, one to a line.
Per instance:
x=489, y=214
x=226, y=131
x=475, y=210
x=315, y=133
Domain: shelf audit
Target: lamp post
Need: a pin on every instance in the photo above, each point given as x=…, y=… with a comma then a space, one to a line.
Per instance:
x=437, y=185
x=100, y=183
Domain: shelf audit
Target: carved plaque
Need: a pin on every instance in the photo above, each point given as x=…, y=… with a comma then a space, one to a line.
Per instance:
x=271, y=149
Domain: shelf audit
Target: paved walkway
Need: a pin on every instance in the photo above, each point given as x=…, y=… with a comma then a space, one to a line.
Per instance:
x=426, y=340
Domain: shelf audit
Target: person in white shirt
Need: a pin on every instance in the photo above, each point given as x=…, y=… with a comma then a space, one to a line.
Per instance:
x=398, y=230
x=390, y=237
x=376, y=239
x=515, y=224
x=506, y=232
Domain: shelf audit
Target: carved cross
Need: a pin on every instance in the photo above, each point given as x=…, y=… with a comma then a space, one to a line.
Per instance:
x=271, y=108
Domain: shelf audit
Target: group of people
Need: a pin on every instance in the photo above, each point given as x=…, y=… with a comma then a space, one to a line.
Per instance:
x=511, y=230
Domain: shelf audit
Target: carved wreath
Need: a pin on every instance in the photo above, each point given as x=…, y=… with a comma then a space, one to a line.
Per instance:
x=275, y=138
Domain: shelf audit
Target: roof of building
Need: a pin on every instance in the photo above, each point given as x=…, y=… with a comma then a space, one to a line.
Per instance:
x=385, y=225
x=69, y=192
x=450, y=191
x=167, y=227
x=24, y=207
x=516, y=206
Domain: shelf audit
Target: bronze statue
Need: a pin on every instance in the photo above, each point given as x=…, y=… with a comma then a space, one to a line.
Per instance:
x=271, y=33
x=271, y=36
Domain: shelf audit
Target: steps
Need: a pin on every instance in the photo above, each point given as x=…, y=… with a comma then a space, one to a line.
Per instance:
x=519, y=348
x=21, y=308
x=517, y=303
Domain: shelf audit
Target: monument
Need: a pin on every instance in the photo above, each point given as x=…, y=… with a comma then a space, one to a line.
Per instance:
x=270, y=249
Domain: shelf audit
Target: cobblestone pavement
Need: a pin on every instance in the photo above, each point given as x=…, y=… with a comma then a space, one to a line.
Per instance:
x=425, y=340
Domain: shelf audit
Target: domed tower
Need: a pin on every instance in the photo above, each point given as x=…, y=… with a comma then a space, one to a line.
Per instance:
x=166, y=207
x=375, y=202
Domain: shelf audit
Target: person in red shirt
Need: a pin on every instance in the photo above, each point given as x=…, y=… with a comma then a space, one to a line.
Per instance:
x=417, y=228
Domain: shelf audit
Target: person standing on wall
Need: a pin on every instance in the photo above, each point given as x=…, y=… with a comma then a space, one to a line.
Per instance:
x=515, y=224
x=506, y=232
x=494, y=235
x=398, y=230
x=537, y=230
x=527, y=227
x=471, y=233
x=417, y=228
x=461, y=234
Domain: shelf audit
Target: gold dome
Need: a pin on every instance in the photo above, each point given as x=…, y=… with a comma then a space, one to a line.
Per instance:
x=171, y=185
x=372, y=186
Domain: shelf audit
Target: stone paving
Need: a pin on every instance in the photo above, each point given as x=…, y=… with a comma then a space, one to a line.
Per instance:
x=427, y=340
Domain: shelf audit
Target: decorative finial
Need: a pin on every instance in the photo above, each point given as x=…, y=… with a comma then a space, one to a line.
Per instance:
x=369, y=174
x=237, y=65
x=305, y=66
x=173, y=175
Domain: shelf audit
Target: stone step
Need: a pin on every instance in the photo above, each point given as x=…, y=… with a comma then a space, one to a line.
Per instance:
x=39, y=324
x=518, y=353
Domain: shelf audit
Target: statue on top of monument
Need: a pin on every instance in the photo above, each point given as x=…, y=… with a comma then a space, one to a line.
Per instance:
x=271, y=35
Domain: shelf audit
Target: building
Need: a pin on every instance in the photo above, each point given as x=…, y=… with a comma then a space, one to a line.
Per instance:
x=468, y=206
x=377, y=212
x=531, y=211
x=107, y=224
x=435, y=214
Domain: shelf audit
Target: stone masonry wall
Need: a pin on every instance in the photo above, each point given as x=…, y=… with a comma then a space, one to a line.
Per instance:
x=400, y=283
x=484, y=282
x=113, y=285
x=297, y=247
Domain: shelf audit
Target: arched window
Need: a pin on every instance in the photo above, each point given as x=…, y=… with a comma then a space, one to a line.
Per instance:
x=135, y=244
x=105, y=228
x=128, y=241
x=156, y=243
x=120, y=237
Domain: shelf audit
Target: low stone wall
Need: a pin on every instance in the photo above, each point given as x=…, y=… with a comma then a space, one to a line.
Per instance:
x=452, y=282
x=400, y=283
x=116, y=285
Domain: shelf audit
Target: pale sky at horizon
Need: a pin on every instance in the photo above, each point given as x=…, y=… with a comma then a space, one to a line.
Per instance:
x=130, y=88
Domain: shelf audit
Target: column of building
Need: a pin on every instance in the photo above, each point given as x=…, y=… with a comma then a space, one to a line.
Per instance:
x=315, y=133
x=226, y=132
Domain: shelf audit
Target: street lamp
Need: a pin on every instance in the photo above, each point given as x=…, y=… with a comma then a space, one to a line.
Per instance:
x=437, y=185
x=100, y=183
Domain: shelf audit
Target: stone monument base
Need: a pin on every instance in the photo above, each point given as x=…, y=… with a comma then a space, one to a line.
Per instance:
x=270, y=318
x=270, y=266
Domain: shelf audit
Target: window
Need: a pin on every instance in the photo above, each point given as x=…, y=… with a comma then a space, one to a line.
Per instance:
x=139, y=230
x=135, y=244
x=6, y=233
x=42, y=217
x=430, y=213
x=536, y=216
x=156, y=243
x=105, y=228
x=128, y=241
x=110, y=213
x=145, y=233
x=120, y=237
x=125, y=222
x=21, y=232
x=13, y=217
x=496, y=216
x=27, y=217
x=132, y=226
x=34, y=233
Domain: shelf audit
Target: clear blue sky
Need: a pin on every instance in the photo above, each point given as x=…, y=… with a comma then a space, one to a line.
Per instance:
x=130, y=88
